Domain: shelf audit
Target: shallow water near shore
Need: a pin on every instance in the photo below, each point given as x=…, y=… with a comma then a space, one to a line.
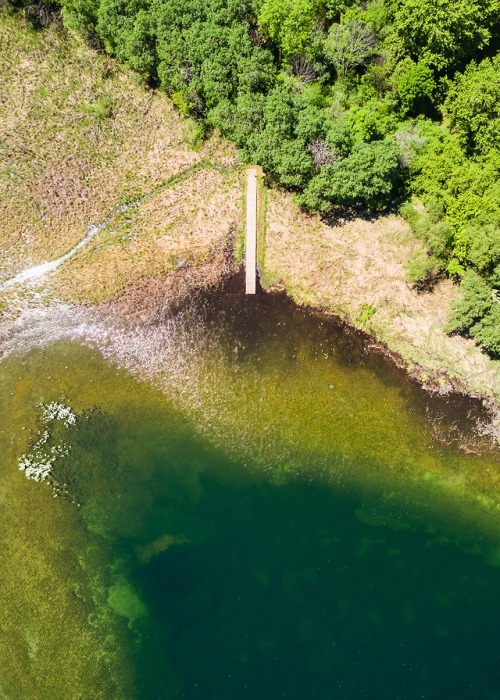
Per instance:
x=250, y=505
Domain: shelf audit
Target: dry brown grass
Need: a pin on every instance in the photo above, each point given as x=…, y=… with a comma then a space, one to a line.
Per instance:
x=343, y=268
x=152, y=300
x=78, y=135
x=178, y=226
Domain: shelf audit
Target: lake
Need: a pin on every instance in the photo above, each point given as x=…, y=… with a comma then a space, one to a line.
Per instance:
x=248, y=502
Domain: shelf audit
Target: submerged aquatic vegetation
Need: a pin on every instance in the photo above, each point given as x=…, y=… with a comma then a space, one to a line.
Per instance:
x=265, y=474
x=38, y=463
x=58, y=411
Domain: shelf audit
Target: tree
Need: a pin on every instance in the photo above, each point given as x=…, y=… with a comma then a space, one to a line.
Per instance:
x=473, y=103
x=482, y=243
x=369, y=175
x=414, y=85
x=240, y=121
x=128, y=31
x=280, y=142
x=204, y=50
x=444, y=34
x=475, y=303
x=289, y=23
x=478, y=312
x=371, y=121
x=421, y=270
x=487, y=330
x=349, y=45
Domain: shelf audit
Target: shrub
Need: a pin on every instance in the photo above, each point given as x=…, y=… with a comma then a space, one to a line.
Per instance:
x=421, y=270
x=487, y=330
x=366, y=312
x=476, y=302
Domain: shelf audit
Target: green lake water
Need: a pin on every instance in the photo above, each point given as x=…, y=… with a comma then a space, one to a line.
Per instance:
x=271, y=515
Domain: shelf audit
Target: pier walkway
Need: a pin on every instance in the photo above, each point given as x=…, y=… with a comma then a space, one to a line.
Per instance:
x=251, y=234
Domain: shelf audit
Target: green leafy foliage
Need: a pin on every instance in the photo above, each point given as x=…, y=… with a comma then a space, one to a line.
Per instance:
x=487, y=330
x=367, y=176
x=442, y=34
x=349, y=45
x=421, y=270
x=80, y=14
x=414, y=85
x=371, y=121
x=462, y=228
x=476, y=301
x=473, y=103
x=478, y=312
x=482, y=244
x=289, y=23
x=128, y=31
x=366, y=313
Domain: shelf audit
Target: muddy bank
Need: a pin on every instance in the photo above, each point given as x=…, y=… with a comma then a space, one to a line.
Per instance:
x=32, y=322
x=437, y=383
x=153, y=314
x=153, y=301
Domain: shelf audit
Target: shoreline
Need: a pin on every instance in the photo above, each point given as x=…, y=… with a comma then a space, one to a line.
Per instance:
x=170, y=242
x=437, y=383
x=153, y=303
x=354, y=270
x=430, y=384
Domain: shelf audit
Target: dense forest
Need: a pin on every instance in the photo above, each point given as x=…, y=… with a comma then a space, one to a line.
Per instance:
x=351, y=105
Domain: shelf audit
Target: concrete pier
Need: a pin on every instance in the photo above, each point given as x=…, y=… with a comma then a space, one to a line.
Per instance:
x=251, y=235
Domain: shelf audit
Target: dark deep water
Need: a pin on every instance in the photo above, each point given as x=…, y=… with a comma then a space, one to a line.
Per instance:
x=278, y=522
x=291, y=596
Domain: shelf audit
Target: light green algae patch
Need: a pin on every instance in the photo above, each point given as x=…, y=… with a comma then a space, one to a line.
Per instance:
x=125, y=601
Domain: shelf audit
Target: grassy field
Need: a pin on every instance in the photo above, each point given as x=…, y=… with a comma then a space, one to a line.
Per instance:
x=177, y=227
x=79, y=136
